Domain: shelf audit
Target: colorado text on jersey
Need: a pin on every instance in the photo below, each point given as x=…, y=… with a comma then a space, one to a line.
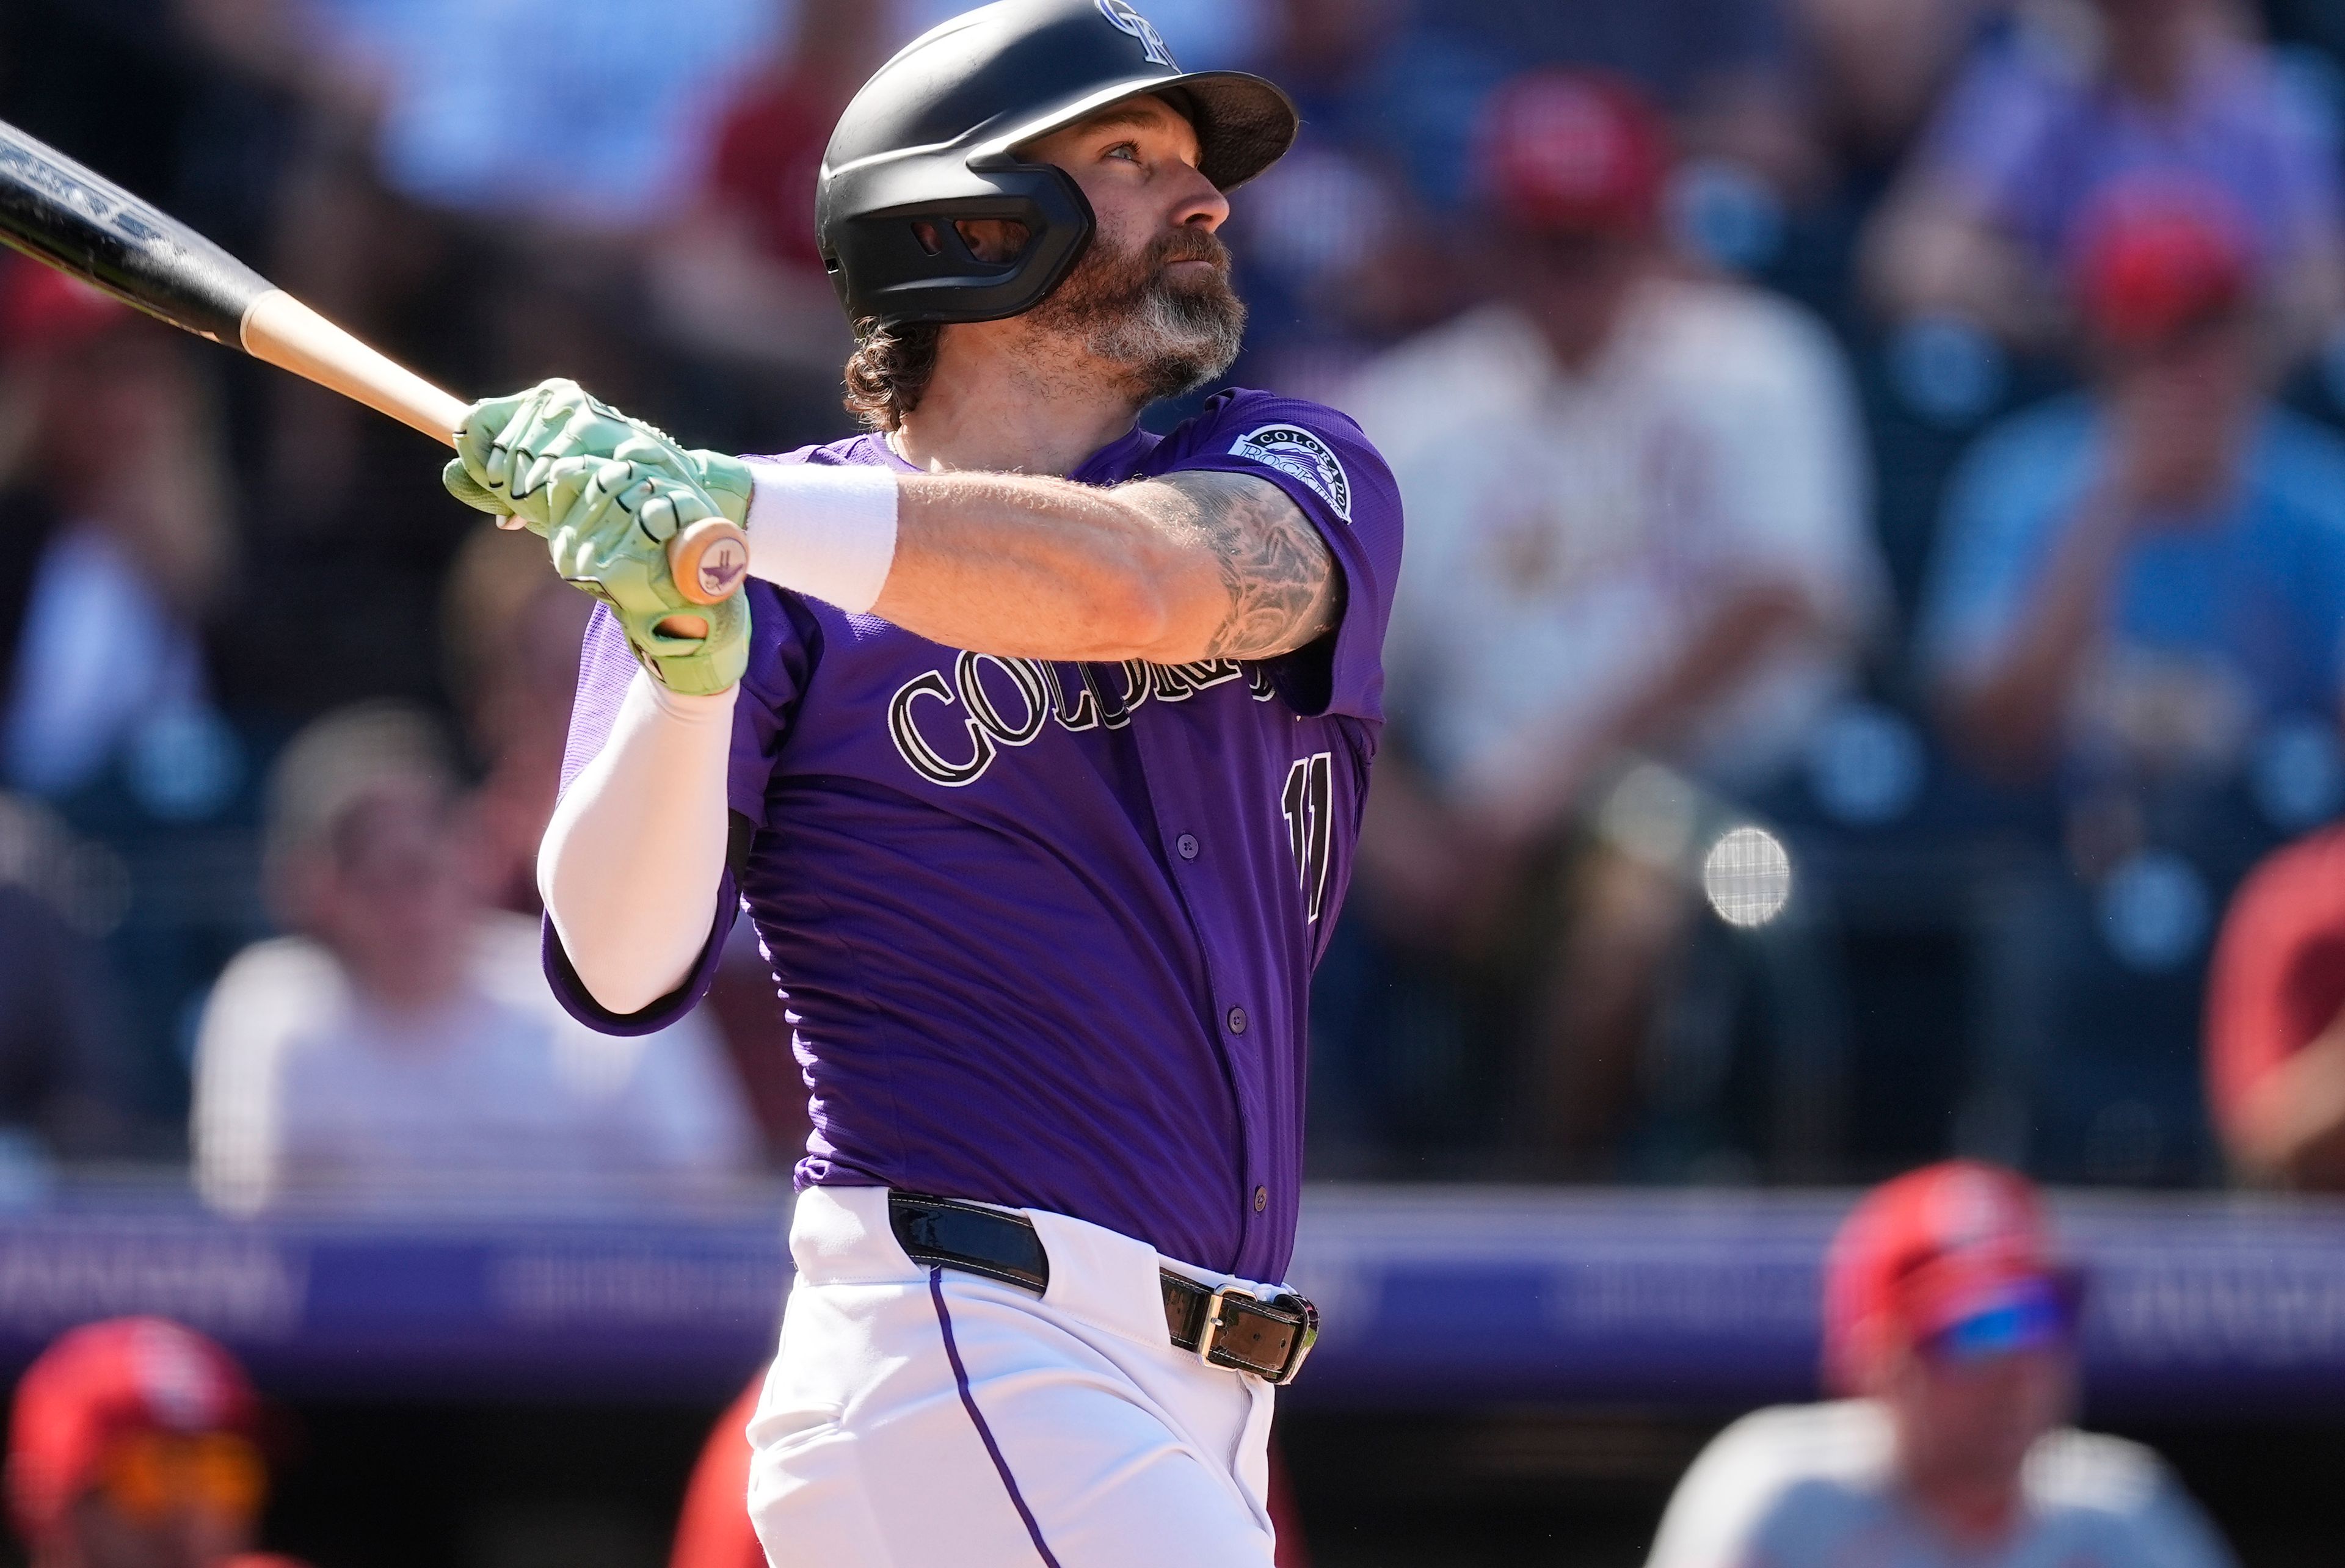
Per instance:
x=1023, y=696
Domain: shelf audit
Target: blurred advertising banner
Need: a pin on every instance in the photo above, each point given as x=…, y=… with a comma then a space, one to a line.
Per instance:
x=1431, y=1298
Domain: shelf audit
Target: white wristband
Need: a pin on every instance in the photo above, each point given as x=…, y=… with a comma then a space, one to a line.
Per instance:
x=824, y=530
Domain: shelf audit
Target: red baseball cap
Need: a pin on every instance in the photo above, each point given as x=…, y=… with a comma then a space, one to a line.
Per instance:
x=106, y=1382
x=1956, y=1256
x=2155, y=257
x=42, y=308
x=1575, y=151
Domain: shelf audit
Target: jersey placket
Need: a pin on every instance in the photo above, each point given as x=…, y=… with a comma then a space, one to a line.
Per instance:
x=1233, y=1019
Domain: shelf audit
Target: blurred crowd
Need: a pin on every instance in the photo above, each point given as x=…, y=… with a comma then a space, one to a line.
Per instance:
x=1867, y=682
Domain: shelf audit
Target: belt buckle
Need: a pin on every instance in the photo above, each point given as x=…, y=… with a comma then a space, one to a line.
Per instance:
x=1212, y=1330
x=1306, y=1332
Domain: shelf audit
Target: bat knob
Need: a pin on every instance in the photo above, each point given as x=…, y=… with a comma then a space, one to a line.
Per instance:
x=709, y=560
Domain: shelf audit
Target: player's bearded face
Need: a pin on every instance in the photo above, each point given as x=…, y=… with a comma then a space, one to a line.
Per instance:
x=1172, y=330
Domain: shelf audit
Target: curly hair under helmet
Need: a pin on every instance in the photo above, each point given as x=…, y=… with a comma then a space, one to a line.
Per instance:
x=890, y=371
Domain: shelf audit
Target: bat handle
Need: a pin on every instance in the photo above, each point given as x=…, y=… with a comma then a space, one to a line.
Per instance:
x=708, y=560
x=287, y=333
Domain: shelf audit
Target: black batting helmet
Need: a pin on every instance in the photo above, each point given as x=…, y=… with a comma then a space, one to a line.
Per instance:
x=932, y=139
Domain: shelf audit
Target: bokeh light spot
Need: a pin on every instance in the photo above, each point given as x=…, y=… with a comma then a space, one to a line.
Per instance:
x=1747, y=876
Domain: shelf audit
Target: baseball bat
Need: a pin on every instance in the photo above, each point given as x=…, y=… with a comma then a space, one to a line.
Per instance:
x=57, y=211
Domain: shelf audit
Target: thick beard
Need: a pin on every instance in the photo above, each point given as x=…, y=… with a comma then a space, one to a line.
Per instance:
x=1169, y=337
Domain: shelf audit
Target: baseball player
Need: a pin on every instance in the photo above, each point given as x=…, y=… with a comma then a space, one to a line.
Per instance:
x=1948, y=1313
x=1036, y=751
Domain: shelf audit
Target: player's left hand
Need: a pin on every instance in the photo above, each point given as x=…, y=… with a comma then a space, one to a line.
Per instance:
x=508, y=448
x=609, y=522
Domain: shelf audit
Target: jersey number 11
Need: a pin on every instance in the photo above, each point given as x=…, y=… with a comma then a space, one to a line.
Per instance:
x=1309, y=803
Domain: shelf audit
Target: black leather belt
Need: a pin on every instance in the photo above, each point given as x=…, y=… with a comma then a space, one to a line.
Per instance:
x=1225, y=1326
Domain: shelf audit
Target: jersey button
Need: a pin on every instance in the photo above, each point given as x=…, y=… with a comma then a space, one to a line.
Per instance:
x=1237, y=1020
x=1260, y=1198
x=1187, y=845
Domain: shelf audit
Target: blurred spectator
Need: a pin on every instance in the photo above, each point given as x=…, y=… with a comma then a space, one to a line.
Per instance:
x=597, y=133
x=2138, y=596
x=2138, y=577
x=1383, y=83
x=134, y=1444
x=1340, y=255
x=1637, y=525
x=113, y=591
x=111, y=490
x=1949, y=1318
x=1876, y=68
x=743, y=278
x=68, y=1079
x=2276, y=1019
x=2082, y=93
x=510, y=631
x=63, y=1058
x=404, y=1047
x=1722, y=69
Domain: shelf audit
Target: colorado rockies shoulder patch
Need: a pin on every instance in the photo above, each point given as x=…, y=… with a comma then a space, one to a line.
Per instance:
x=1291, y=448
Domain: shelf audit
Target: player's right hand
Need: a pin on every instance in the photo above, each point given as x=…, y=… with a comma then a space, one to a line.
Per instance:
x=608, y=524
x=508, y=446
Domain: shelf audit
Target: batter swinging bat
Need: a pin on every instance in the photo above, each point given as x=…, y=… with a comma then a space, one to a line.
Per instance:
x=54, y=210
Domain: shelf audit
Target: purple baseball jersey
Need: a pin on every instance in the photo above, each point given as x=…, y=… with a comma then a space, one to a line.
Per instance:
x=1045, y=931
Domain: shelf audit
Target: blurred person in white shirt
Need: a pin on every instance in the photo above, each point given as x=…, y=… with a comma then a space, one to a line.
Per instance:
x=403, y=1049
x=1637, y=506
x=1950, y=1318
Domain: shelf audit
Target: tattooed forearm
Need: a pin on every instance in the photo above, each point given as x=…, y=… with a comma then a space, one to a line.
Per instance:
x=1282, y=588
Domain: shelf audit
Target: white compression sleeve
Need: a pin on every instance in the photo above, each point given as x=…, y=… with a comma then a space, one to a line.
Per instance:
x=631, y=863
x=824, y=530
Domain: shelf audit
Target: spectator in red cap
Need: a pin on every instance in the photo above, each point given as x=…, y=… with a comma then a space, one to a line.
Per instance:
x=1949, y=1321
x=2070, y=527
x=2276, y=1019
x=2069, y=101
x=1636, y=503
x=133, y=1446
x=2138, y=593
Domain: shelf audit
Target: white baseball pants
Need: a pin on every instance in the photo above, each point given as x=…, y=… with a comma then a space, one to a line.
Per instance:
x=917, y=1417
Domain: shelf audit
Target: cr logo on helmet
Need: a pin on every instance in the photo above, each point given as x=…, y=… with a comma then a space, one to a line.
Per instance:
x=1151, y=42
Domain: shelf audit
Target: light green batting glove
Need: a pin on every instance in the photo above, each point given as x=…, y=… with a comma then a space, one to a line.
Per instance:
x=509, y=446
x=609, y=522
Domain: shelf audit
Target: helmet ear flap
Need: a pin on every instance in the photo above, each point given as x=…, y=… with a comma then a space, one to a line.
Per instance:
x=932, y=273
